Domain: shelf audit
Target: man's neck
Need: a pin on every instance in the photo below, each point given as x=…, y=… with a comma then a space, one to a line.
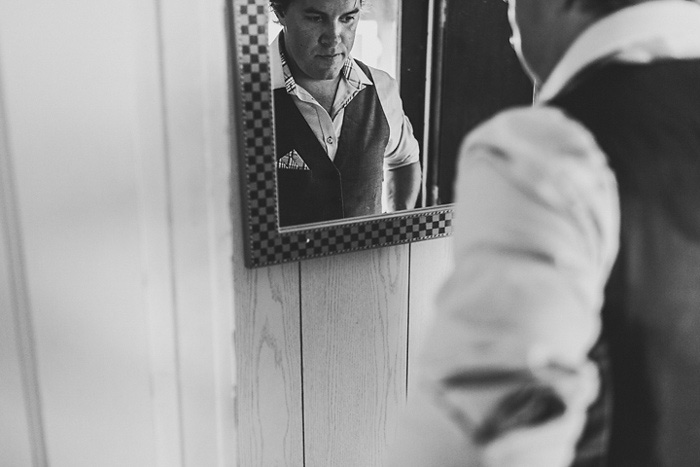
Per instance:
x=572, y=22
x=323, y=91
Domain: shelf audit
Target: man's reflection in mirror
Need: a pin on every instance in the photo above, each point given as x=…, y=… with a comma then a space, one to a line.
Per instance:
x=345, y=148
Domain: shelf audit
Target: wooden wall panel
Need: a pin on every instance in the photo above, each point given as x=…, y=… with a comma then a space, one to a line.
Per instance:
x=354, y=354
x=431, y=261
x=268, y=350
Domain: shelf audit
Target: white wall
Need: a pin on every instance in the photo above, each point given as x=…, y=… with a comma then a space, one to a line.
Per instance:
x=115, y=275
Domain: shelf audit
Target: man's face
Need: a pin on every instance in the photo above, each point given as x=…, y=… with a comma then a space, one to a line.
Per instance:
x=319, y=35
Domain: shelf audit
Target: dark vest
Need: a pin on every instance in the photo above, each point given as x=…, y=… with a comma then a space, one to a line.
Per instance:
x=646, y=118
x=349, y=186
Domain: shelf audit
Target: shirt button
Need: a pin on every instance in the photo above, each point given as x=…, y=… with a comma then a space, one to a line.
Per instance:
x=329, y=140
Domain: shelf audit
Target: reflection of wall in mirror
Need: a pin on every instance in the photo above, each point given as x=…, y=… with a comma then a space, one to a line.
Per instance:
x=471, y=90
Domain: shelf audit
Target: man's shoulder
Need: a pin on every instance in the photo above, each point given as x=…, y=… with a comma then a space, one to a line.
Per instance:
x=536, y=132
x=377, y=76
x=377, y=73
x=545, y=155
x=386, y=86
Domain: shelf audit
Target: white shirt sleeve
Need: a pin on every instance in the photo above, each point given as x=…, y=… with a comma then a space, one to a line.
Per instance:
x=402, y=148
x=535, y=236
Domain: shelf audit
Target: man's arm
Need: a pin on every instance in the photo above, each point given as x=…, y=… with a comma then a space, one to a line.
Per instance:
x=402, y=171
x=504, y=378
x=401, y=187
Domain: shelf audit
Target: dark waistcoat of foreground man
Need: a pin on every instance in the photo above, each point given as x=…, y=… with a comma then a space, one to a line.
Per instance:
x=646, y=119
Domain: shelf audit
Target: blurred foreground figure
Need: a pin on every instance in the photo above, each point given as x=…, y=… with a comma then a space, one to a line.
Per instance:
x=568, y=333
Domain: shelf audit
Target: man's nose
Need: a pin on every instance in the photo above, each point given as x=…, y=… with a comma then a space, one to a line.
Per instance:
x=331, y=34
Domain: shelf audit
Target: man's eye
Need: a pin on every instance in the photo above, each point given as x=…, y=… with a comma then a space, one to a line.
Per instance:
x=314, y=19
x=347, y=19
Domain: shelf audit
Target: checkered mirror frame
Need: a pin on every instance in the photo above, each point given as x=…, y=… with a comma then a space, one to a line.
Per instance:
x=265, y=243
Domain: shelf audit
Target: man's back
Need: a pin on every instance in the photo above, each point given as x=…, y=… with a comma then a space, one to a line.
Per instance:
x=646, y=120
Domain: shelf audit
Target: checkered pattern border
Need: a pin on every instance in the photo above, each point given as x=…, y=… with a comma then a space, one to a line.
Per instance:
x=265, y=244
x=354, y=236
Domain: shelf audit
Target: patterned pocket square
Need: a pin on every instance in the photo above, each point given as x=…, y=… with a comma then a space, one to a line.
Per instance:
x=292, y=161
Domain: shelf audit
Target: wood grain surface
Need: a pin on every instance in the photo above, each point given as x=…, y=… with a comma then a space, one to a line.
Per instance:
x=268, y=347
x=431, y=261
x=354, y=354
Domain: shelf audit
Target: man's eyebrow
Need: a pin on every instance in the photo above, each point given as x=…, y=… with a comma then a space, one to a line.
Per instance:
x=313, y=11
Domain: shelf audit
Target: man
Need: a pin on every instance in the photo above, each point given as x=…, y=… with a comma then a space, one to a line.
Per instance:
x=340, y=125
x=568, y=331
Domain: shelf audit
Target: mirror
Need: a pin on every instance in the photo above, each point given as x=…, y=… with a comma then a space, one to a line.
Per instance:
x=434, y=106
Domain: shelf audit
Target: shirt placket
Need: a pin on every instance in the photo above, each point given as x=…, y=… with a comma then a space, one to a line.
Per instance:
x=326, y=130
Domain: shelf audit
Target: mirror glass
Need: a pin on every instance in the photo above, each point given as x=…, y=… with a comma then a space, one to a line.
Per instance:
x=344, y=145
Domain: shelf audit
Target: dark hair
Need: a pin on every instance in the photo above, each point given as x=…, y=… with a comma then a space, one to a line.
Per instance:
x=280, y=6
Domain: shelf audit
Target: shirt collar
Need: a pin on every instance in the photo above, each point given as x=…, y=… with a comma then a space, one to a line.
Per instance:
x=354, y=79
x=638, y=34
